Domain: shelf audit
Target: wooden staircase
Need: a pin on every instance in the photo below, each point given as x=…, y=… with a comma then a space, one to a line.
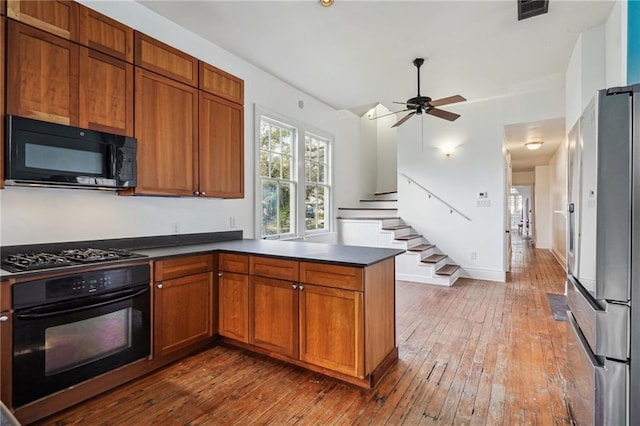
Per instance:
x=375, y=222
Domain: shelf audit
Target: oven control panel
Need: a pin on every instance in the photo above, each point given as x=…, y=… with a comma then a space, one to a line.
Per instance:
x=52, y=290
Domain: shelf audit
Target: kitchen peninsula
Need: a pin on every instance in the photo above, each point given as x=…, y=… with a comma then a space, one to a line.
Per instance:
x=327, y=308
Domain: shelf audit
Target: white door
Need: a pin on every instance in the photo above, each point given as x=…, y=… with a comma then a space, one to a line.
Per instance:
x=507, y=211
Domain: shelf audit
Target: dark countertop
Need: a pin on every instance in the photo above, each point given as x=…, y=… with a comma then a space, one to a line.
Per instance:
x=299, y=250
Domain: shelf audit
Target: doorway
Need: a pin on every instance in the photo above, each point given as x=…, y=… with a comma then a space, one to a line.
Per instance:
x=521, y=210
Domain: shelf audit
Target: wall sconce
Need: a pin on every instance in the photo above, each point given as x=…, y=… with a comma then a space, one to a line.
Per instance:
x=533, y=145
x=326, y=3
x=447, y=150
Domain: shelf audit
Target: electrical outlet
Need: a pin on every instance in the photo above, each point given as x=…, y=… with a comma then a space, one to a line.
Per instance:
x=484, y=203
x=175, y=227
x=232, y=222
x=473, y=255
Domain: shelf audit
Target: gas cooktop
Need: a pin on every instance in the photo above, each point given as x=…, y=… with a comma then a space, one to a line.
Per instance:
x=20, y=262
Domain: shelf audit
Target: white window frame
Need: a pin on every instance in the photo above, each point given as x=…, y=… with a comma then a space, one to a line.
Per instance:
x=298, y=216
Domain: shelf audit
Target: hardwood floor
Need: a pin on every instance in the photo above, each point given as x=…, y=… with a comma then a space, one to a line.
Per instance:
x=477, y=353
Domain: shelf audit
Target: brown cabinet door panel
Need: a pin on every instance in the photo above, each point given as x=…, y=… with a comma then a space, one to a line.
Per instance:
x=158, y=57
x=221, y=83
x=273, y=307
x=3, y=25
x=106, y=93
x=234, y=306
x=183, y=266
x=105, y=35
x=56, y=17
x=183, y=312
x=42, y=75
x=166, y=119
x=326, y=274
x=270, y=267
x=234, y=263
x=331, y=329
x=221, y=148
x=6, y=357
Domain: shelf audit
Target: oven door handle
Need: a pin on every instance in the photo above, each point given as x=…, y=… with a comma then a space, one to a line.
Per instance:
x=44, y=313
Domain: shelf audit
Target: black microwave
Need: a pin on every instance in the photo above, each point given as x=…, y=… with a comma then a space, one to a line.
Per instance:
x=48, y=154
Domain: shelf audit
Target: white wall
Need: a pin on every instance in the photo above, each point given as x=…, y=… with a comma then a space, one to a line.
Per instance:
x=542, y=206
x=30, y=215
x=523, y=178
x=616, y=45
x=387, y=153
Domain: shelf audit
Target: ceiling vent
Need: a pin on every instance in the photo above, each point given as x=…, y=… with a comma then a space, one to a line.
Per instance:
x=531, y=8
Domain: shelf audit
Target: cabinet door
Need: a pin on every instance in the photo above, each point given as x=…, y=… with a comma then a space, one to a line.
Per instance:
x=331, y=329
x=273, y=305
x=166, y=119
x=183, y=312
x=55, y=17
x=221, y=148
x=234, y=306
x=156, y=56
x=106, y=93
x=221, y=83
x=6, y=356
x=42, y=75
x=101, y=33
x=3, y=23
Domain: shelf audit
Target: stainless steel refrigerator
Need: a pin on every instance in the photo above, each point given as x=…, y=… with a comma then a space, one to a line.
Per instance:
x=603, y=256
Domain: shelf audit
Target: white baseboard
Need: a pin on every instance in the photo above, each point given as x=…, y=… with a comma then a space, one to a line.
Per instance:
x=543, y=245
x=483, y=274
x=560, y=258
x=445, y=281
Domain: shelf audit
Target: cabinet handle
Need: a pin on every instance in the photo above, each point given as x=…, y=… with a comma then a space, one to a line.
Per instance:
x=203, y=193
x=159, y=285
x=294, y=286
x=301, y=287
x=4, y=318
x=197, y=192
x=219, y=274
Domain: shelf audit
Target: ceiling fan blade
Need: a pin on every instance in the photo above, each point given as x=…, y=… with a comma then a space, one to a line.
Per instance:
x=393, y=112
x=446, y=101
x=403, y=119
x=440, y=113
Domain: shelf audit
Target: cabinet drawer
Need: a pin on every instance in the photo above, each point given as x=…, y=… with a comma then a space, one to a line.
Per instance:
x=158, y=57
x=221, y=83
x=55, y=17
x=273, y=268
x=183, y=266
x=337, y=276
x=234, y=263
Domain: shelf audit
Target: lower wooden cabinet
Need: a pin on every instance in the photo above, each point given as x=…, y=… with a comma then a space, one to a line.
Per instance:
x=331, y=331
x=183, y=303
x=234, y=306
x=273, y=307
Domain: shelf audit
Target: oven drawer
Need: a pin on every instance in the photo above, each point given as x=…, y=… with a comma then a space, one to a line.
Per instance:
x=606, y=329
x=596, y=387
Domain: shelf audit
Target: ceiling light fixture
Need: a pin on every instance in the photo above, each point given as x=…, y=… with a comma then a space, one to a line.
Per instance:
x=326, y=3
x=533, y=145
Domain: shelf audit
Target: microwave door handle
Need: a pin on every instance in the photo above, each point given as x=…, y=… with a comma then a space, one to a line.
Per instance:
x=54, y=312
x=112, y=161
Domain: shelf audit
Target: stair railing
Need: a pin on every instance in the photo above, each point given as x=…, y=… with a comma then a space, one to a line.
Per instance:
x=430, y=194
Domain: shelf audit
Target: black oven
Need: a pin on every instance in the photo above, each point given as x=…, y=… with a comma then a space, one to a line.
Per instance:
x=72, y=328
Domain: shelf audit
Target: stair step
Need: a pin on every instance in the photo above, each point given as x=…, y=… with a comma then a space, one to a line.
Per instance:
x=448, y=269
x=378, y=201
x=385, y=193
x=407, y=237
x=368, y=217
x=395, y=227
x=434, y=258
x=421, y=247
x=368, y=208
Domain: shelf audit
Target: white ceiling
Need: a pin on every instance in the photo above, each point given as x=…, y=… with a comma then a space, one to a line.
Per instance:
x=357, y=53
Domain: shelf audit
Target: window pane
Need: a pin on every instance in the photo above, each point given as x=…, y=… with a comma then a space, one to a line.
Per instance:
x=276, y=166
x=286, y=194
x=274, y=141
x=313, y=173
x=287, y=165
x=269, y=208
x=264, y=135
x=321, y=175
x=264, y=164
x=322, y=148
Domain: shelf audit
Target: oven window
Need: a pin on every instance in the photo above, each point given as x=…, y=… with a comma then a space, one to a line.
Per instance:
x=73, y=344
x=63, y=159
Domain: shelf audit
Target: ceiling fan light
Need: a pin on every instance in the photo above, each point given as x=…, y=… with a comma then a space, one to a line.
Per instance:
x=533, y=145
x=326, y=3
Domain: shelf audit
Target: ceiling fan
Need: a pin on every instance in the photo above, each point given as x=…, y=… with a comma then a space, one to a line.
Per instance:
x=420, y=104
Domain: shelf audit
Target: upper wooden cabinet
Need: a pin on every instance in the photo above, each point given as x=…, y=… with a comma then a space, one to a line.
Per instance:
x=56, y=17
x=42, y=75
x=221, y=83
x=221, y=148
x=156, y=56
x=166, y=126
x=103, y=34
x=3, y=40
x=106, y=93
